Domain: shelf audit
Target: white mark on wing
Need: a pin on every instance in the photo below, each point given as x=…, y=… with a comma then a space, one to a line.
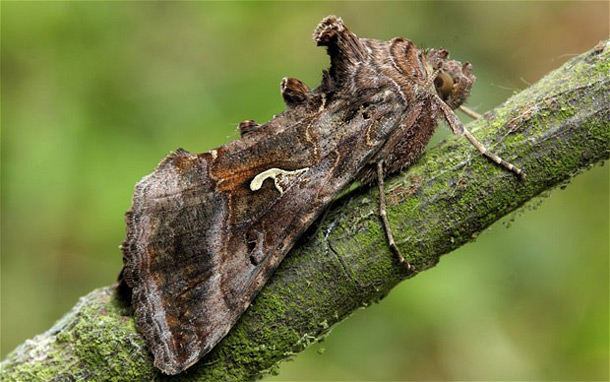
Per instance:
x=275, y=174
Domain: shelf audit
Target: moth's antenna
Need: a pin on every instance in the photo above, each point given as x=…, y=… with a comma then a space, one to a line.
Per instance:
x=430, y=81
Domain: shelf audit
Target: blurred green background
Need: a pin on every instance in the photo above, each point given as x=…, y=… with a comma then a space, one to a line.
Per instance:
x=94, y=94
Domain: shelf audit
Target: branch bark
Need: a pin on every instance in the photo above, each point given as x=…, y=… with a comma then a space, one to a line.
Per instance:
x=553, y=130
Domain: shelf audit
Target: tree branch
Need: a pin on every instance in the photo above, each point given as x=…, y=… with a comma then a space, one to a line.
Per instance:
x=553, y=130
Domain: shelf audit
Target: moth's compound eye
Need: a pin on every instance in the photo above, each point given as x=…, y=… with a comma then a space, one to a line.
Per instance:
x=444, y=85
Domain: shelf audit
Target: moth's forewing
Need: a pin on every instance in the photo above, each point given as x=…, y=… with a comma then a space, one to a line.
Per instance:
x=195, y=225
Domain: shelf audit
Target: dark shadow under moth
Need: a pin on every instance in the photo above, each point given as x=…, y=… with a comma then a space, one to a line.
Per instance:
x=206, y=231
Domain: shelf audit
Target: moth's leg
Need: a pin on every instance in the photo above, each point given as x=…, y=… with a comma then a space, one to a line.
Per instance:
x=469, y=112
x=458, y=128
x=384, y=217
x=247, y=127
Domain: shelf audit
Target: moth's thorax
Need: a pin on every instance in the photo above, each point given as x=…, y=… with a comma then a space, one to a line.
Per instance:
x=412, y=72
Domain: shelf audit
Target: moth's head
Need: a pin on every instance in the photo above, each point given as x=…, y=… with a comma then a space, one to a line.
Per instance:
x=454, y=79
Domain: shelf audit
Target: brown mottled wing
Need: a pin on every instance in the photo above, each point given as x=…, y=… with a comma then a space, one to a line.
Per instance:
x=200, y=244
x=174, y=235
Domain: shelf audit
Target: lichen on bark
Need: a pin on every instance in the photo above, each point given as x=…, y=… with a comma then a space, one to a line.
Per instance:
x=553, y=130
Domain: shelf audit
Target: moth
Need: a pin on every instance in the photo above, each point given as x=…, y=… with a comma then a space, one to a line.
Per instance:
x=206, y=231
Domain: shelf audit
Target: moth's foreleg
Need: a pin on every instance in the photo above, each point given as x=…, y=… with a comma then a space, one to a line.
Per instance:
x=384, y=218
x=469, y=112
x=458, y=128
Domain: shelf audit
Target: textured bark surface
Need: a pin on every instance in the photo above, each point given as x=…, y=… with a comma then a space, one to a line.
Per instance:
x=552, y=130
